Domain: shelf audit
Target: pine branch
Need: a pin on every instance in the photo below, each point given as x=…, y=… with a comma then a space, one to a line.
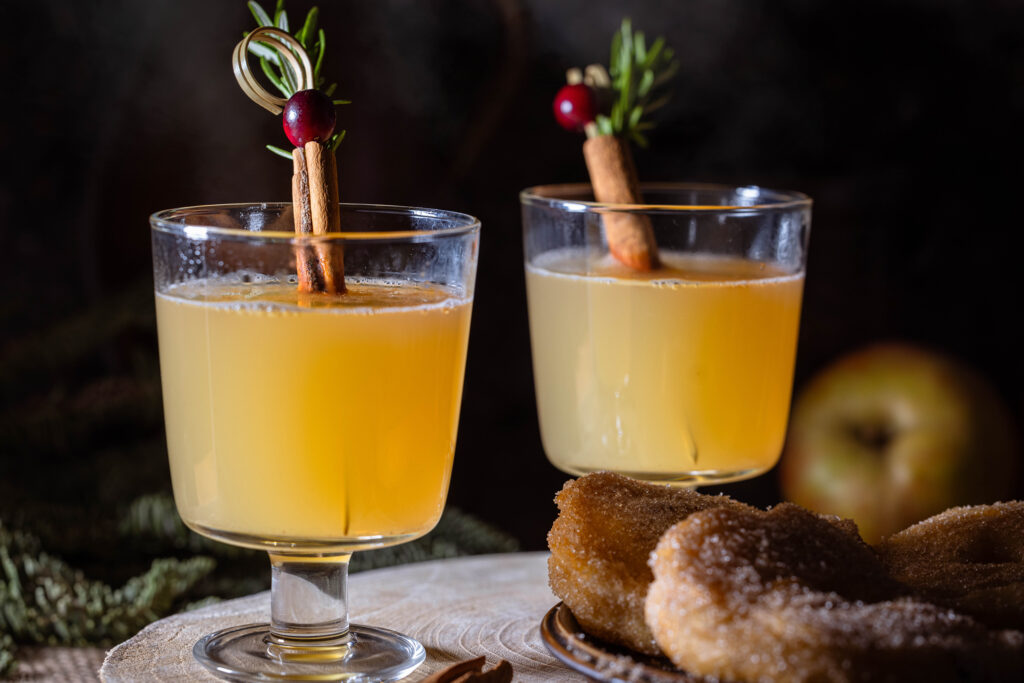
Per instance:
x=154, y=517
x=8, y=665
x=44, y=601
x=455, y=535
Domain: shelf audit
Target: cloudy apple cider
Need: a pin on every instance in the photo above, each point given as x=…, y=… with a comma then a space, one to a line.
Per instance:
x=330, y=423
x=683, y=373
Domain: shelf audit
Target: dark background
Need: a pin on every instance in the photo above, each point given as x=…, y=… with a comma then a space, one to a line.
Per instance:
x=902, y=119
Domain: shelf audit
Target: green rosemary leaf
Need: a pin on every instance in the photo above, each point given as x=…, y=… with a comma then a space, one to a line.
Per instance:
x=264, y=52
x=654, y=52
x=656, y=105
x=666, y=75
x=290, y=78
x=604, y=125
x=272, y=55
x=313, y=57
x=336, y=140
x=626, y=86
x=281, y=16
x=626, y=54
x=308, y=27
x=637, y=74
x=280, y=152
x=634, y=116
x=646, y=81
x=273, y=77
x=262, y=18
x=618, y=116
x=322, y=42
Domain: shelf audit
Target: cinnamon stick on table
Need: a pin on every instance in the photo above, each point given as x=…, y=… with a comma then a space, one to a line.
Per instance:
x=472, y=671
x=321, y=267
x=614, y=178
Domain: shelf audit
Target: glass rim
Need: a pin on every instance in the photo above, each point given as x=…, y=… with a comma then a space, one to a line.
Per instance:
x=172, y=221
x=549, y=196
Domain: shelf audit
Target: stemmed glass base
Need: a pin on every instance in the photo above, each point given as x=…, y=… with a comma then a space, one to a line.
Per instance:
x=309, y=637
x=252, y=653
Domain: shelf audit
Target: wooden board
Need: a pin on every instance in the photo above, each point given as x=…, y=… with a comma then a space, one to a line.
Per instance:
x=486, y=605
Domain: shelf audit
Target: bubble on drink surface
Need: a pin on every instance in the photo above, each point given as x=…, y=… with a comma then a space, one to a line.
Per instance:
x=245, y=277
x=254, y=219
x=668, y=282
x=254, y=292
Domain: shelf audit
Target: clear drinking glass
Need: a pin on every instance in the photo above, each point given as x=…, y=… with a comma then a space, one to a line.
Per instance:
x=311, y=425
x=682, y=374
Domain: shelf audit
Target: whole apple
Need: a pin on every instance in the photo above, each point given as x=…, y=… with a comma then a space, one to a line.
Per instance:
x=893, y=434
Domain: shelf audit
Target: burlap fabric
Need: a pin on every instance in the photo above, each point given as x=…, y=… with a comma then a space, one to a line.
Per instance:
x=59, y=664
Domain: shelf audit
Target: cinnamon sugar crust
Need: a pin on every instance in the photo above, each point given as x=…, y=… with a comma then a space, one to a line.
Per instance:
x=789, y=595
x=606, y=529
x=968, y=558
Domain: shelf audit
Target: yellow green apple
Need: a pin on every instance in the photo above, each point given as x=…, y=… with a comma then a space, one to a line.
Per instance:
x=894, y=433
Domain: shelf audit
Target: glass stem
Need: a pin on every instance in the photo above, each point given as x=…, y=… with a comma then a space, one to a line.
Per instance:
x=309, y=600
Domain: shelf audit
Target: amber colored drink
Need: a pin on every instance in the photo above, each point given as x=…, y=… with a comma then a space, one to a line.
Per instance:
x=681, y=374
x=330, y=420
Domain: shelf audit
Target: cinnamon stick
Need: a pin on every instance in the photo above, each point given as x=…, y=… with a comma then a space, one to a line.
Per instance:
x=501, y=673
x=323, y=203
x=320, y=268
x=305, y=258
x=472, y=671
x=614, y=179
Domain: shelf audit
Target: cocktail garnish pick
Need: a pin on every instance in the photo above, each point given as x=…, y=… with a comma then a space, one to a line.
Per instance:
x=288, y=49
x=610, y=109
x=309, y=121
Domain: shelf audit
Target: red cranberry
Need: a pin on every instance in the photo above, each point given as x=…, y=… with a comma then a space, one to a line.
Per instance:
x=575, y=106
x=309, y=115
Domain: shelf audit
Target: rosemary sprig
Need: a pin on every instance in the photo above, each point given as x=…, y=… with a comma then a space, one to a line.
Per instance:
x=639, y=75
x=276, y=69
